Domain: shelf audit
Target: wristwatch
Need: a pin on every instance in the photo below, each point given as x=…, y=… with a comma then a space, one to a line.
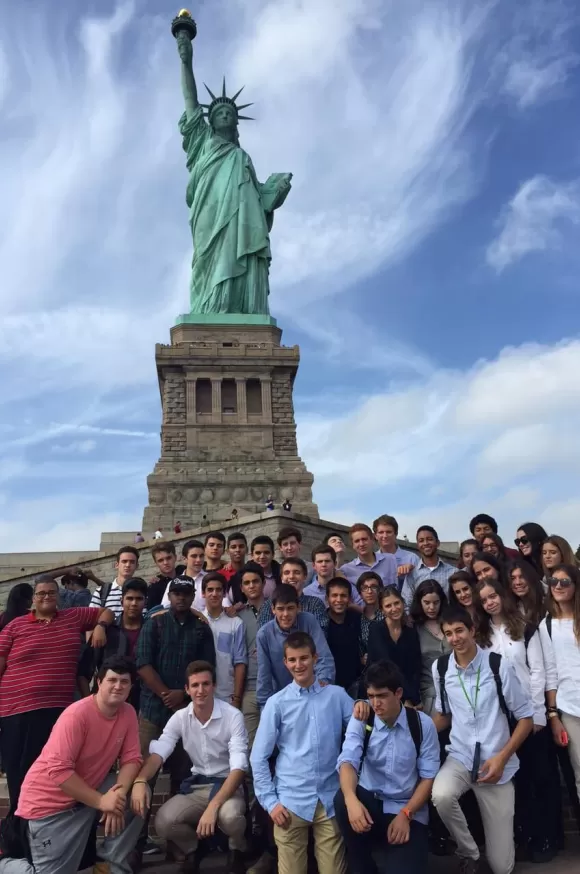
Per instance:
x=104, y=625
x=408, y=813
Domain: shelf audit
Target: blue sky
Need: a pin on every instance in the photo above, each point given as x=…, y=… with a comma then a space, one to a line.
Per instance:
x=426, y=261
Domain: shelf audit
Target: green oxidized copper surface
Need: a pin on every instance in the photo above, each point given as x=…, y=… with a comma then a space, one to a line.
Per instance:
x=230, y=212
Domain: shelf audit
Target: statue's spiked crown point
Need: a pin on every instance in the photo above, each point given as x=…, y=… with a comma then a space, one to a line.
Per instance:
x=223, y=98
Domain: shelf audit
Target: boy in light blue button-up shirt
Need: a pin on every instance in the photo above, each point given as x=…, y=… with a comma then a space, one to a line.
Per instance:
x=304, y=722
x=382, y=803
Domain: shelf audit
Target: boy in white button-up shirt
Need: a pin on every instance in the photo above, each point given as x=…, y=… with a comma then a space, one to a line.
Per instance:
x=214, y=737
x=481, y=752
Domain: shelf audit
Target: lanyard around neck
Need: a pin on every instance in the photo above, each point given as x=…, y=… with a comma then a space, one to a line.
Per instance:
x=472, y=704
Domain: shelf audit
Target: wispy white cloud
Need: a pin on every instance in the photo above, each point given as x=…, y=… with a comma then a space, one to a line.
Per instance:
x=533, y=220
x=77, y=447
x=540, y=51
x=476, y=435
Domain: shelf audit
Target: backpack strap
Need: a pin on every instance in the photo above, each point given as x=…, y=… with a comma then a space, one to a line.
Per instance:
x=105, y=592
x=442, y=666
x=367, y=736
x=529, y=632
x=494, y=663
x=415, y=727
x=549, y=625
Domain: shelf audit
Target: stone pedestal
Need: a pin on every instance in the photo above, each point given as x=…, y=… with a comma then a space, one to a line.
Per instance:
x=228, y=435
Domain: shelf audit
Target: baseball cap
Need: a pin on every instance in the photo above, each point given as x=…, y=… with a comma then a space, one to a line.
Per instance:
x=181, y=584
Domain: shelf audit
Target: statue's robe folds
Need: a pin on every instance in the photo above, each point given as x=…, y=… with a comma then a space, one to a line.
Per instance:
x=228, y=223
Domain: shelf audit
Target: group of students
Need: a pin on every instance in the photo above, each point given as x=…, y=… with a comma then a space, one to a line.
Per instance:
x=358, y=701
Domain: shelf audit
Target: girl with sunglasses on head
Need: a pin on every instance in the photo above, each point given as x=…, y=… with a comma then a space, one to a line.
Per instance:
x=502, y=628
x=555, y=551
x=560, y=634
x=466, y=552
x=461, y=591
x=526, y=587
x=394, y=640
x=529, y=539
x=428, y=602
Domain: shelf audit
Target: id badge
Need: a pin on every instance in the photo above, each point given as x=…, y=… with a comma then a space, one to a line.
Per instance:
x=476, y=763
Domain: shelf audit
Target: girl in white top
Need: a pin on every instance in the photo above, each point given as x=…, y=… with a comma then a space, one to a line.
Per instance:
x=560, y=634
x=503, y=628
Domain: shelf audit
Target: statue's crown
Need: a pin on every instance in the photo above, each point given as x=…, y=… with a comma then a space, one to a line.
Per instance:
x=231, y=101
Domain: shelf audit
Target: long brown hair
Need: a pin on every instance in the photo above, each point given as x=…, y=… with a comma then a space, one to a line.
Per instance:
x=563, y=547
x=552, y=605
x=534, y=603
x=514, y=621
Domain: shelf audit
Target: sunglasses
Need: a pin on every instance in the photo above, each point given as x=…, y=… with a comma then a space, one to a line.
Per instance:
x=521, y=541
x=565, y=583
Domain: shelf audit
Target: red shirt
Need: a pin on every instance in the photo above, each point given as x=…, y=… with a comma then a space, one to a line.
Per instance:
x=85, y=742
x=42, y=659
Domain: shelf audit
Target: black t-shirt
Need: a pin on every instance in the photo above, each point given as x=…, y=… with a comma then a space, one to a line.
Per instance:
x=158, y=585
x=344, y=644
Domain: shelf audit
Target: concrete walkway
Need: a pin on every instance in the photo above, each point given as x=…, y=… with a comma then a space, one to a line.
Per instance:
x=566, y=863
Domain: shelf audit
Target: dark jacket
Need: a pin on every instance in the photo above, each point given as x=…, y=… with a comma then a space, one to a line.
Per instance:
x=117, y=645
x=405, y=653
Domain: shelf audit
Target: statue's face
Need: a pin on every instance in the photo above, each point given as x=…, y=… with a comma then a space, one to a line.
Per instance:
x=224, y=119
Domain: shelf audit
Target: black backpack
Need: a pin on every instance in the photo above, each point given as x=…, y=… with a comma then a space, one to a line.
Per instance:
x=494, y=663
x=415, y=728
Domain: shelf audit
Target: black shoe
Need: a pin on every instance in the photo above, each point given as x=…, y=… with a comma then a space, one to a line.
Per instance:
x=540, y=857
x=236, y=864
x=192, y=863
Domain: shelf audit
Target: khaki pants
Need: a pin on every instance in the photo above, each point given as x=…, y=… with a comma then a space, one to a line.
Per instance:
x=496, y=805
x=572, y=726
x=177, y=819
x=292, y=845
x=251, y=713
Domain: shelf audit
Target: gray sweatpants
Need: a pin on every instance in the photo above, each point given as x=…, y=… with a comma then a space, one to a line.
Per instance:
x=57, y=842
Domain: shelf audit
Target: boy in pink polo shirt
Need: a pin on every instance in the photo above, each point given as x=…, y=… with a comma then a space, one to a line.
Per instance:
x=70, y=784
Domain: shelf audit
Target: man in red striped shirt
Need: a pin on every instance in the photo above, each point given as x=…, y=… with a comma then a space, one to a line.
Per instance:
x=39, y=654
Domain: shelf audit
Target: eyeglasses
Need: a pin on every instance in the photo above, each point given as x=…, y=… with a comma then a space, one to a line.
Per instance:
x=42, y=596
x=521, y=541
x=564, y=582
x=369, y=588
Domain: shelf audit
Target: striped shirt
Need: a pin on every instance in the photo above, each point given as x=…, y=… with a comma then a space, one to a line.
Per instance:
x=41, y=659
x=114, y=600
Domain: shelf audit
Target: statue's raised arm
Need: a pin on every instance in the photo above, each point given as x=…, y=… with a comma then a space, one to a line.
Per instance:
x=184, y=30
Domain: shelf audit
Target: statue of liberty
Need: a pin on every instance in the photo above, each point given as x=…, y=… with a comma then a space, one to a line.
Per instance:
x=230, y=212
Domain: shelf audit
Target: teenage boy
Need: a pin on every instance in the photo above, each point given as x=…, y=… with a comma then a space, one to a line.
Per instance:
x=272, y=673
x=124, y=633
x=325, y=570
x=367, y=559
x=167, y=644
x=214, y=738
x=229, y=640
x=475, y=689
x=262, y=551
x=430, y=566
x=290, y=544
x=194, y=554
x=163, y=554
x=483, y=524
x=71, y=785
x=386, y=529
x=252, y=583
x=110, y=594
x=386, y=772
x=237, y=552
x=293, y=571
x=344, y=636
x=214, y=545
x=304, y=723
